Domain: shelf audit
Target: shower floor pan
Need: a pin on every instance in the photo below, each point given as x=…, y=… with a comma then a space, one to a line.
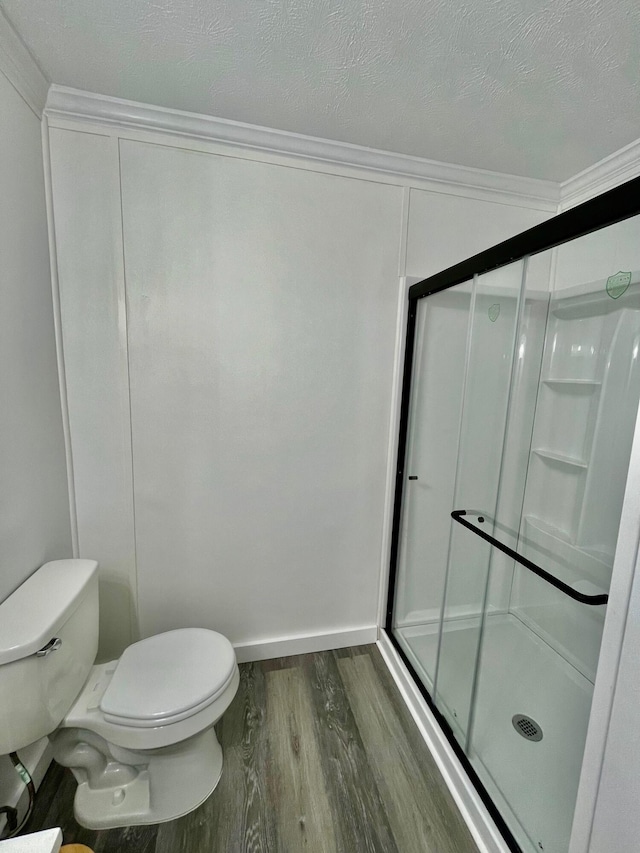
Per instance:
x=533, y=783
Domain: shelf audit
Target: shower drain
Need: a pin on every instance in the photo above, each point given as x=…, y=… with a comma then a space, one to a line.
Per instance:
x=526, y=727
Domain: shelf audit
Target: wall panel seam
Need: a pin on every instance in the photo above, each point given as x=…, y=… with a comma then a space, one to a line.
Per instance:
x=57, y=320
x=124, y=346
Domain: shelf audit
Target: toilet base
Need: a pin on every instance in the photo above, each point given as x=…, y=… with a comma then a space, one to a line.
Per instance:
x=120, y=787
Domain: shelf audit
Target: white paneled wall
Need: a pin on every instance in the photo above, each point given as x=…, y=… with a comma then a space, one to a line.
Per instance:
x=34, y=499
x=261, y=323
x=86, y=202
x=229, y=333
x=34, y=502
x=445, y=229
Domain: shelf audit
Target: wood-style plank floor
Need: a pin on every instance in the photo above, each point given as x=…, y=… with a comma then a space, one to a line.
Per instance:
x=321, y=755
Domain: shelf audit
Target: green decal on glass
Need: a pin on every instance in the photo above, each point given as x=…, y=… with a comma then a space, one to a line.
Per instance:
x=494, y=312
x=618, y=283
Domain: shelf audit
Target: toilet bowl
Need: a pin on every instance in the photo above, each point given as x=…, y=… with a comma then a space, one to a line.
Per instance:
x=139, y=738
x=136, y=732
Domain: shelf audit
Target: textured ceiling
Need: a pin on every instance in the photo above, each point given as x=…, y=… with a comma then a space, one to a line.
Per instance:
x=532, y=87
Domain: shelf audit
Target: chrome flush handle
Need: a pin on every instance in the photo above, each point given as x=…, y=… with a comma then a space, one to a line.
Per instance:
x=52, y=646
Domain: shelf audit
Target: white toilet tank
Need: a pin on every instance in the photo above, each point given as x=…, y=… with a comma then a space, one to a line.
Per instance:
x=48, y=644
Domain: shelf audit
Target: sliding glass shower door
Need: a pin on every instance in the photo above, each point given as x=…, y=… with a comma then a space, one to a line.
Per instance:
x=434, y=429
x=523, y=402
x=492, y=326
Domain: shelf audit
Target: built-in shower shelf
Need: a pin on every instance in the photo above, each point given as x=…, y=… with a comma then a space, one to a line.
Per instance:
x=551, y=455
x=586, y=383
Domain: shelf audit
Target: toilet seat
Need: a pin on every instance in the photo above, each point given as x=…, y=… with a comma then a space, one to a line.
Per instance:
x=168, y=678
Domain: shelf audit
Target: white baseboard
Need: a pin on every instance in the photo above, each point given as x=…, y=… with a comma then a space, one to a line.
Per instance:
x=474, y=812
x=36, y=758
x=299, y=644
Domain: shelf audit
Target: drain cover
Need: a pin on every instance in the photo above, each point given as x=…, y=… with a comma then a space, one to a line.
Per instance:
x=526, y=727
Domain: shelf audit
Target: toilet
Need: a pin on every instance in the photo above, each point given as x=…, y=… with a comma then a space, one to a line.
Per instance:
x=137, y=732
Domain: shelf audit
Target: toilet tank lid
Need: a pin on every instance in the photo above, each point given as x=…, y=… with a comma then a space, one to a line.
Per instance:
x=30, y=616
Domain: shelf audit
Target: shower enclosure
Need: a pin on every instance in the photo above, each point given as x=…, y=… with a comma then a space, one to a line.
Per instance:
x=521, y=390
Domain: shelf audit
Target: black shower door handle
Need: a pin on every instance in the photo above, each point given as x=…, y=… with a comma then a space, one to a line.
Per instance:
x=583, y=598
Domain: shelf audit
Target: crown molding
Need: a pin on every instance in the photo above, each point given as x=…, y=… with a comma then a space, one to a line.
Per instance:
x=66, y=103
x=621, y=166
x=21, y=69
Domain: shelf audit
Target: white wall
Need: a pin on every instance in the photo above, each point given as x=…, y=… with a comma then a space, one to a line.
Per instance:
x=86, y=201
x=261, y=334
x=34, y=502
x=444, y=229
x=258, y=341
x=229, y=335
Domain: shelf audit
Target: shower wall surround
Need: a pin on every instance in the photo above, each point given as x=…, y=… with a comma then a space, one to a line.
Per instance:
x=229, y=323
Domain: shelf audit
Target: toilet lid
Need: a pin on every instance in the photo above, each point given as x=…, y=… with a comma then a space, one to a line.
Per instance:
x=161, y=679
